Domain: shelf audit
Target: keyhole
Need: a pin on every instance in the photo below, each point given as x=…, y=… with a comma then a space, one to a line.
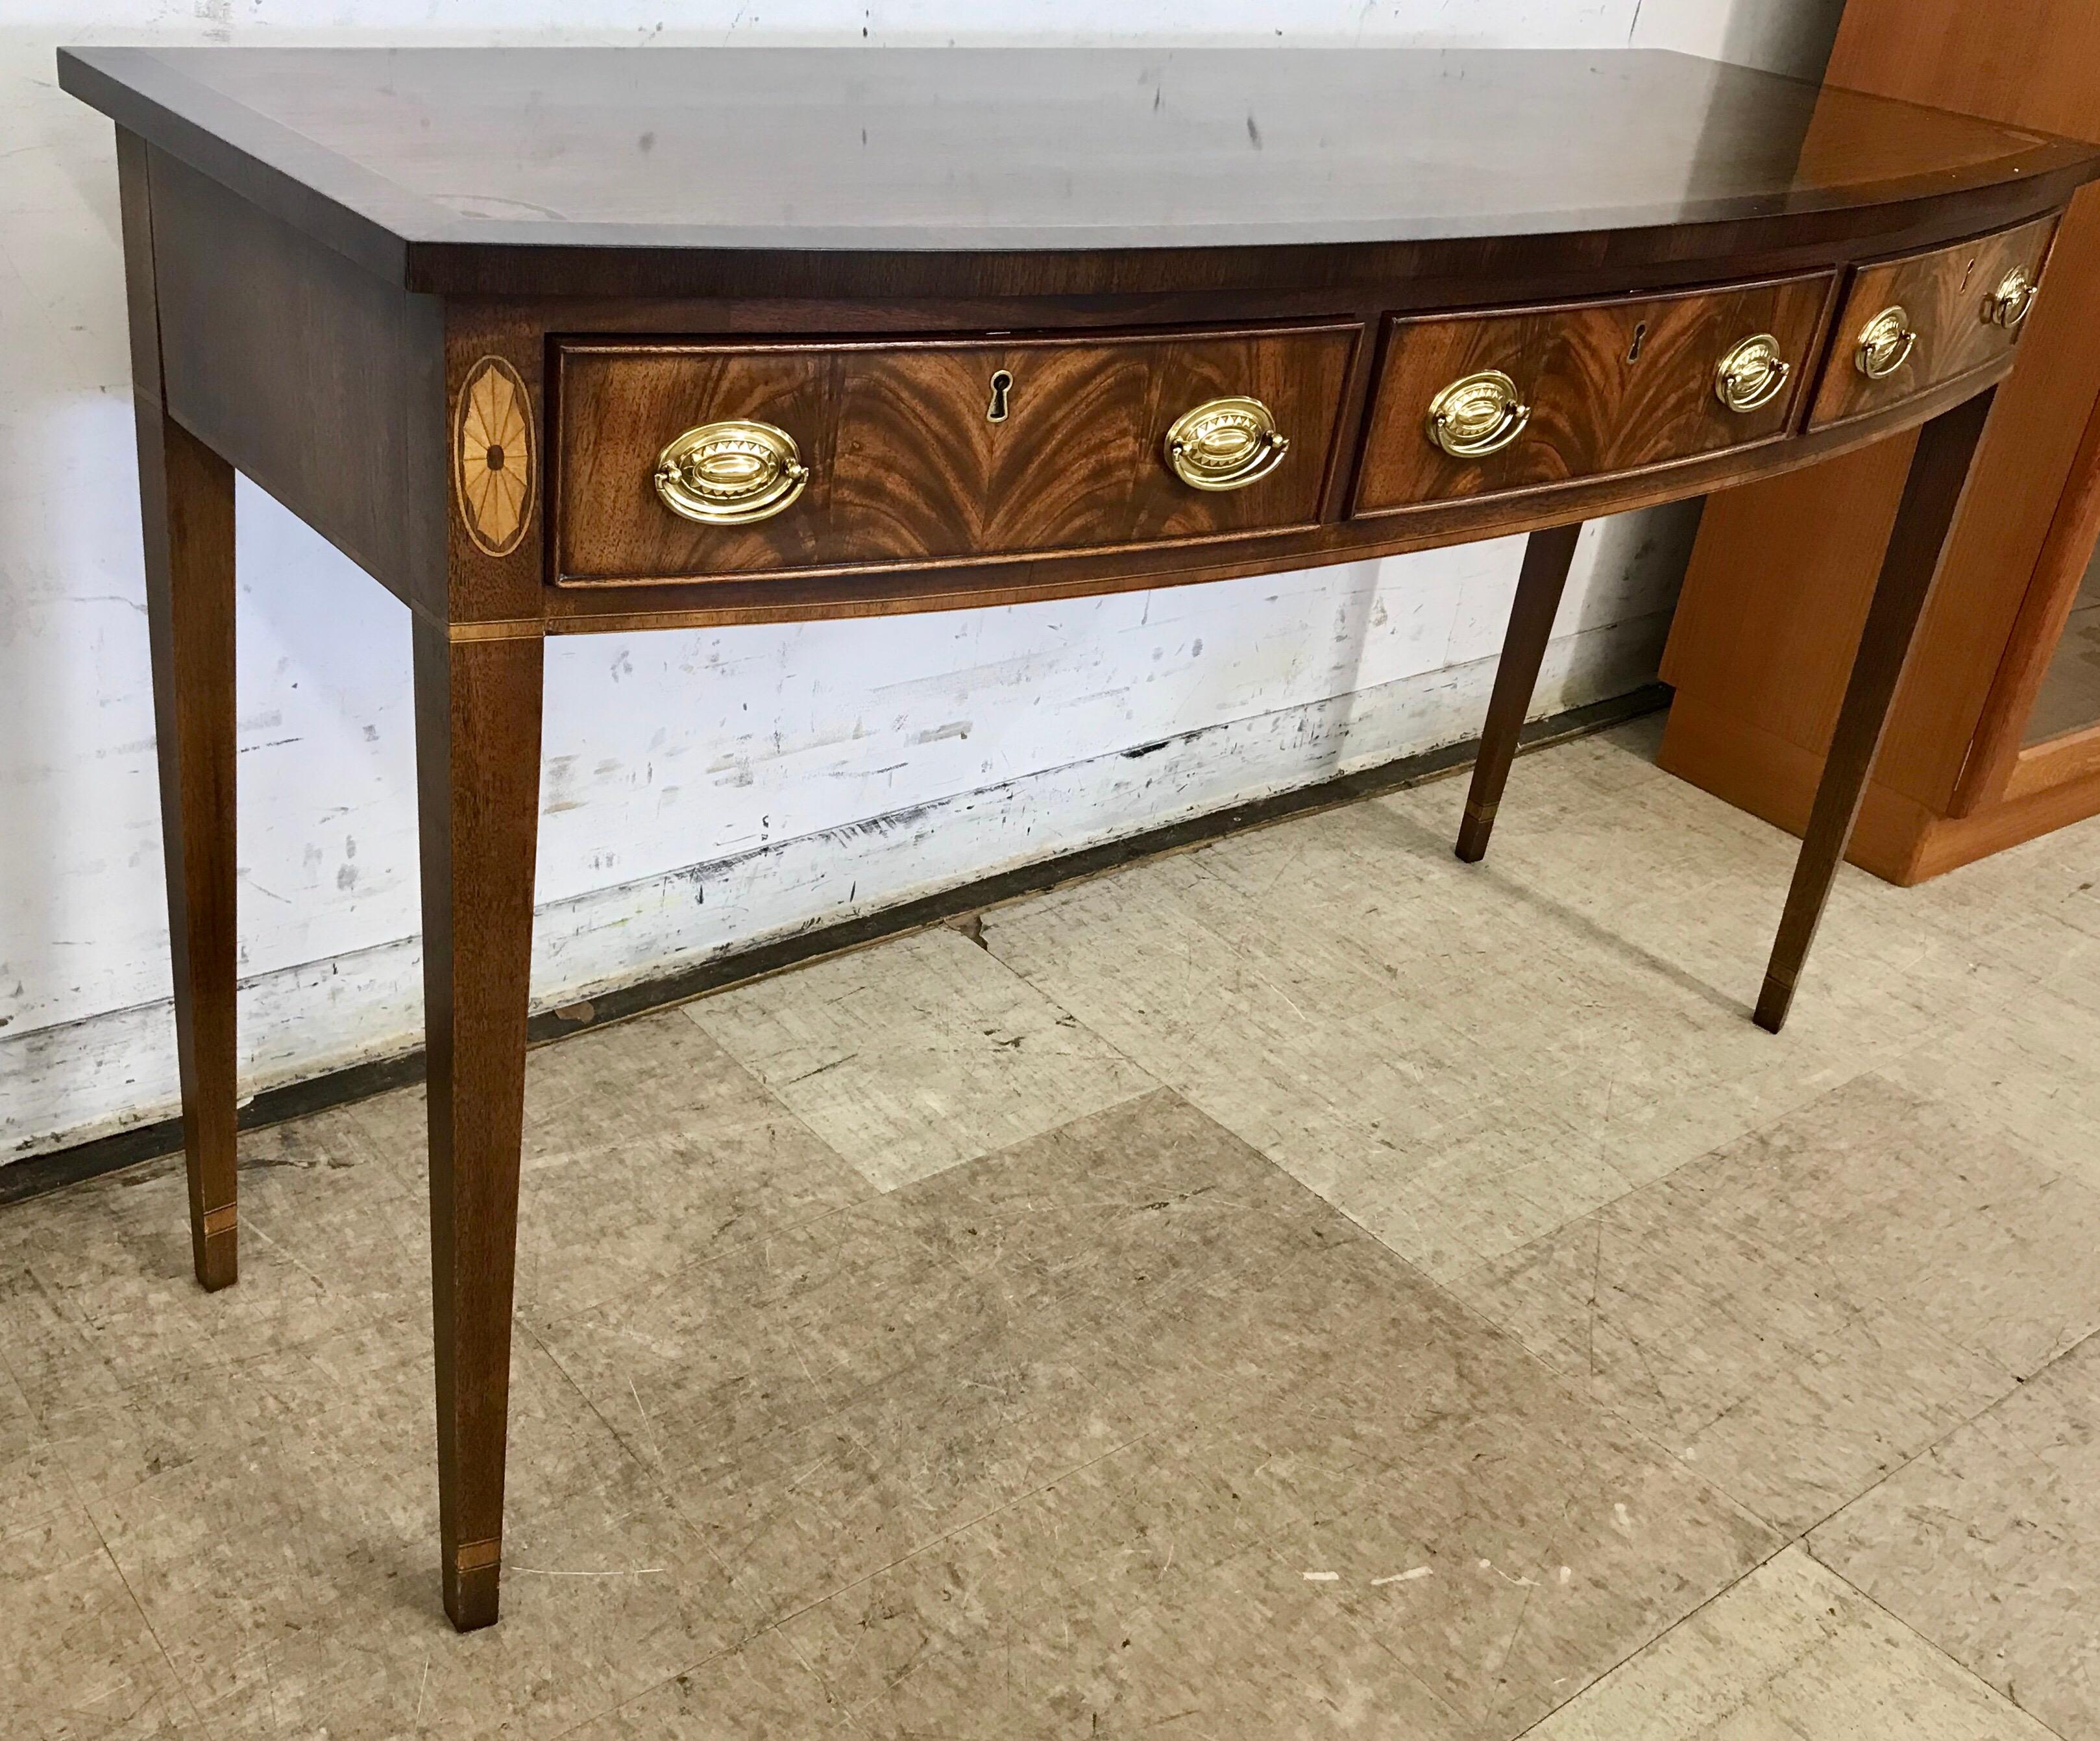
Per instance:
x=1002, y=384
x=1640, y=338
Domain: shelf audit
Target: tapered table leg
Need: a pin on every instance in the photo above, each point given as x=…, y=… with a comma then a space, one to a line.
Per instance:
x=1939, y=472
x=185, y=496
x=477, y=777
x=185, y=508
x=1548, y=556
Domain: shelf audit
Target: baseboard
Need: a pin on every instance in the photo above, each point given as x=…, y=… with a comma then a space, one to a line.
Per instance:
x=139, y=1144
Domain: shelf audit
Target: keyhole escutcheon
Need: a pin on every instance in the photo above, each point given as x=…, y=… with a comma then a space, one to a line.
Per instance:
x=1640, y=338
x=1002, y=384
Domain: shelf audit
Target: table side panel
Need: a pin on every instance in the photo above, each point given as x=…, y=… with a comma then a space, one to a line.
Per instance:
x=324, y=384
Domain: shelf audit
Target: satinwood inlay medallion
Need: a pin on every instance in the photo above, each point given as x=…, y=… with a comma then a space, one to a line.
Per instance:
x=492, y=455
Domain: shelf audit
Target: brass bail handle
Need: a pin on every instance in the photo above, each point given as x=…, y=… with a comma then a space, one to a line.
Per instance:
x=730, y=472
x=1477, y=415
x=1752, y=374
x=1225, y=444
x=1886, y=343
x=2010, y=304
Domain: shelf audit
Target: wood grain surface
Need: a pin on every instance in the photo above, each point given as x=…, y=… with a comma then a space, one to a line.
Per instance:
x=908, y=465
x=477, y=709
x=1614, y=386
x=820, y=171
x=186, y=511
x=1943, y=291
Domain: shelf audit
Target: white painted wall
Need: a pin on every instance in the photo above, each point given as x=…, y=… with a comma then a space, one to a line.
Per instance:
x=702, y=790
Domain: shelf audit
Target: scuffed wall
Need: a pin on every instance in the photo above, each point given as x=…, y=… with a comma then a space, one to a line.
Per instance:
x=702, y=791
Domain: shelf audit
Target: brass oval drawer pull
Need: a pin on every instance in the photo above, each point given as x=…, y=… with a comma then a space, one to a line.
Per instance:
x=2008, y=304
x=1477, y=415
x=731, y=473
x=1886, y=343
x=1225, y=444
x=1752, y=374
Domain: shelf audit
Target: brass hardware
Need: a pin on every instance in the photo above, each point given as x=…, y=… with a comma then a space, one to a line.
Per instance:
x=1752, y=374
x=1886, y=343
x=1477, y=415
x=731, y=473
x=1225, y=444
x=1002, y=385
x=2008, y=304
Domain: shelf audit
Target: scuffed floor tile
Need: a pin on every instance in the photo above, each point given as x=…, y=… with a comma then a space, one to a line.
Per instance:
x=1300, y=1286
x=1793, y=1652
x=648, y=1148
x=1986, y=1545
x=1803, y=1310
x=918, y=1054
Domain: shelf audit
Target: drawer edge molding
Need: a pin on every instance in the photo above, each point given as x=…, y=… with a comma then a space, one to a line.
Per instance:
x=936, y=450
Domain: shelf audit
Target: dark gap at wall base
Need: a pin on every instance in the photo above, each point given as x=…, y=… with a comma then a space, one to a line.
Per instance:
x=152, y=1142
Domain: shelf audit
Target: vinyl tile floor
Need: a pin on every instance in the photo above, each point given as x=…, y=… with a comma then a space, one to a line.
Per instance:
x=1301, y=1286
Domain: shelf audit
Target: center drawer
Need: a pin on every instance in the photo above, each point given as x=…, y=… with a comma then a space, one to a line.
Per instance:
x=694, y=461
x=1470, y=406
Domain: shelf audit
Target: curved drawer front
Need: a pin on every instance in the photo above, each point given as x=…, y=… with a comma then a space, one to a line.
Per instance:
x=790, y=458
x=1536, y=397
x=1913, y=323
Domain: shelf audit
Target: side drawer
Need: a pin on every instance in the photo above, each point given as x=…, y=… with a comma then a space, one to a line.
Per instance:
x=1913, y=323
x=1485, y=404
x=919, y=453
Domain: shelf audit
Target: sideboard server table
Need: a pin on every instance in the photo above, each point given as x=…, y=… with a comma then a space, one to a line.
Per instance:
x=566, y=341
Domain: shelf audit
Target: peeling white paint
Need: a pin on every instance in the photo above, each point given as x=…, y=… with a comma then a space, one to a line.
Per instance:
x=701, y=790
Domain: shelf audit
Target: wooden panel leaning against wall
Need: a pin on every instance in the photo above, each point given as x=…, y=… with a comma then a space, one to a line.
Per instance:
x=1779, y=579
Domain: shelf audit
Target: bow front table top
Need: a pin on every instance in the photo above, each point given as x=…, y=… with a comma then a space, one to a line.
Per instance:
x=560, y=341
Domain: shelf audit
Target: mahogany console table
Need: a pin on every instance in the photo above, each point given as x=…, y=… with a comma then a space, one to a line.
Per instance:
x=566, y=341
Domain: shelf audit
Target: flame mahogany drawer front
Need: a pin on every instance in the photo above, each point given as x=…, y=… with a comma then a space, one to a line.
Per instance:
x=698, y=461
x=1473, y=405
x=1913, y=323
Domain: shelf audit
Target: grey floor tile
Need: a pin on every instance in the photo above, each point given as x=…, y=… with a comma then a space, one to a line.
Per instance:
x=943, y=1341
x=78, y=1659
x=1792, y=1654
x=1205, y=1395
x=288, y=1569
x=647, y=1147
x=917, y=1054
x=1801, y=1312
x=1986, y=1545
x=762, y=1692
x=1461, y=1058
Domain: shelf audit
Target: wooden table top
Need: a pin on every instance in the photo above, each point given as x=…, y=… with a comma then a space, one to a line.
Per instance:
x=457, y=168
